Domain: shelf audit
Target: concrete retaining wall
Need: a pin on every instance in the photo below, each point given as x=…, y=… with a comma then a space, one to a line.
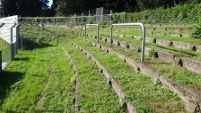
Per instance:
x=183, y=45
x=192, y=65
x=164, y=42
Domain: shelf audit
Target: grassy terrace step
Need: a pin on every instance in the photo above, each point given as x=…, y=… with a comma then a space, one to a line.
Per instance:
x=164, y=42
x=188, y=45
x=168, y=56
x=30, y=74
x=124, y=104
x=174, y=51
x=147, y=95
x=5, y=48
x=178, y=42
x=136, y=56
x=178, y=57
x=157, y=31
x=74, y=79
x=94, y=94
x=57, y=92
x=186, y=80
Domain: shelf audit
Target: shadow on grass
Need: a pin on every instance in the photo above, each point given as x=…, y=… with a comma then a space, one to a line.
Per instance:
x=7, y=79
x=37, y=111
x=28, y=44
x=23, y=59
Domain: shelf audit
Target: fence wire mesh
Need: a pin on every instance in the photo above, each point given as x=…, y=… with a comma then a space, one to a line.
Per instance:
x=86, y=17
x=8, y=40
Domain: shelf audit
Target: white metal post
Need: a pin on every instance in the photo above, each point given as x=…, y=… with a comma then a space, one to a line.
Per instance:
x=110, y=15
x=143, y=35
x=98, y=33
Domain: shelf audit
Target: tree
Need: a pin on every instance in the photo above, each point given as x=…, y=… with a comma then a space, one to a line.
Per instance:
x=120, y=5
x=25, y=7
x=69, y=7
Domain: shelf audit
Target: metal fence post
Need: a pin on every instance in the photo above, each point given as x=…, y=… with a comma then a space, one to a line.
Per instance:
x=0, y=61
x=11, y=44
x=98, y=32
x=85, y=32
x=21, y=40
x=12, y=50
x=16, y=43
x=17, y=38
x=110, y=15
x=111, y=36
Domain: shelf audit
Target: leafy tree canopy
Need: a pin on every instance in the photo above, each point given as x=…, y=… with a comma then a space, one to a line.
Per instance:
x=25, y=7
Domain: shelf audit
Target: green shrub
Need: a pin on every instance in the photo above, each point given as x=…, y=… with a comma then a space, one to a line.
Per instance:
x=179, y=13
x=195, y=31
x=91, y=21
x=102, y=24
x=110, y=23
x=119, y=18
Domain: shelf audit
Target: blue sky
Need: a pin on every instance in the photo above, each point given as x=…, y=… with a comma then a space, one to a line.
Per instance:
x=50, y=2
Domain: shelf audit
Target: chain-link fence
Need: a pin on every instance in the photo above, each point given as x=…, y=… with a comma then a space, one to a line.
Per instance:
x=8, y=40
x=86, y=17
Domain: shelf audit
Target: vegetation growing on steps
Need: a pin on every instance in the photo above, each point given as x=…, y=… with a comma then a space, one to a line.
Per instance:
x=94, y=94
x=140, y=93
x=184, y=77
x=174, y=51
x=34, y=66
x=196, y=31
x=136, y=31
x=5, y=48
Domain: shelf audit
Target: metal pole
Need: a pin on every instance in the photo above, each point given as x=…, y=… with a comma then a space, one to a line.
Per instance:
x=85, y=31
x=110, y=15
x=98, y=30
x=111, y=36
x=89, y=17
x=102, y=13
x=17, y=36
x=0, y=61
x=11, y=42
x=96, y=15
x=143, y=35
x=74, y=20
x=143, y=42
x=11, y=45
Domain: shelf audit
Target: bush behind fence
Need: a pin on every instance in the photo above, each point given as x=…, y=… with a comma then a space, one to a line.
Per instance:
x=185, y=13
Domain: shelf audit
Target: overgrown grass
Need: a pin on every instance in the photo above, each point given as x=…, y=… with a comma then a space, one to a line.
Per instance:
x=183, y=76
x=25, y=94
x=59, y=91
x=176, y=52
x=138, y=32
x=148, y=96
x=38, y=80
x=6, y=52
x=94, y=94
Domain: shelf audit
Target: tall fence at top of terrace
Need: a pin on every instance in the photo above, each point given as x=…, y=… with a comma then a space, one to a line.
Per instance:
x=86, y=17
x=8, y=39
